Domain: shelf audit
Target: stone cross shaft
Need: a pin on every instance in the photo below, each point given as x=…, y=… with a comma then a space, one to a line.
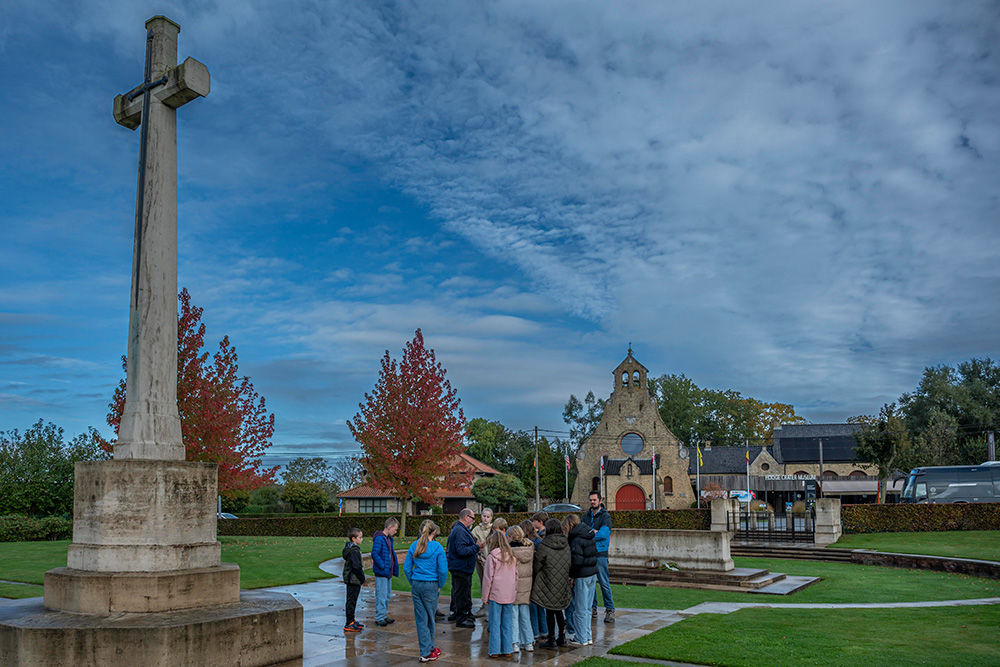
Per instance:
x=150, y=426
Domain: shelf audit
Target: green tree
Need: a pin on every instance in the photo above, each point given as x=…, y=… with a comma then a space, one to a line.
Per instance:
x=551, y=468
x=235, y=500
x=265, y=499
x=36, y=468
x=315, y=470
x=305, y=496
x=966, y=398
x=884, y=441
x=501, y=491
x=723, y=418
x=583, y=418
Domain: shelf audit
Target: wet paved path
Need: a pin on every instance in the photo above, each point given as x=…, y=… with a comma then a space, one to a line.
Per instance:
x=326, y=644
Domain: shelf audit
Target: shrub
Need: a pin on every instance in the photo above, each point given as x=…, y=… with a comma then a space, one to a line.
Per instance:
x=17, y=528
x=305, y=496
x=912, y=518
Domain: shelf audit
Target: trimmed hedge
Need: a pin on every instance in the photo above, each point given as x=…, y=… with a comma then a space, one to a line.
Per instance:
x=913, y=518
x=323, y=525
x=18, y=528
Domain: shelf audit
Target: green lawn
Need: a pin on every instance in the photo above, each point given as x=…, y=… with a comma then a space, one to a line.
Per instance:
x=263, y=561
x=981, y=544
x=825, y=638
x=841, y=582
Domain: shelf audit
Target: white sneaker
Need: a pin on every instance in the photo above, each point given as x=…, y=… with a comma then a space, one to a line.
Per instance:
x=516, y=648
x=589, y=642
x=573, y=642
x=529, y=648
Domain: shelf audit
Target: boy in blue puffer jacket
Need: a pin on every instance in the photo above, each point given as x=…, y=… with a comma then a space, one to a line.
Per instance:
x=385, y=566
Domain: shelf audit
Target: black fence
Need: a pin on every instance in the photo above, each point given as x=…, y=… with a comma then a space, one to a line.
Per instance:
x=747, y=526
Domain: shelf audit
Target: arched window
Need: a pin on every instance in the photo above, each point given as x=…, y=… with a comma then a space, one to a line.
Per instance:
x=801, y=472
x=829, y=473
x=635, y=378
x=625, y=378
x=629, y=473
x=632, y=444
x=668, y=485
x=595, y=484
x=858, y=473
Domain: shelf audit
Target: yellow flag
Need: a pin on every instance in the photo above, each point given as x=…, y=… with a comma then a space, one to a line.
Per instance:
x=700, y=462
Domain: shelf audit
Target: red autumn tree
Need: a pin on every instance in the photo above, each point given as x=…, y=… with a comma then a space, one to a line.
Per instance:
x=223, y=420
x=411, y=427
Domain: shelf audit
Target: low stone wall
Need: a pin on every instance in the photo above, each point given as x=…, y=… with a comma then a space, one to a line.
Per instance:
x=976, y=568
x=688, y=549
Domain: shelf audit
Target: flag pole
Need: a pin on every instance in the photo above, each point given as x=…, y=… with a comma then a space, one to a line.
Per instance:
x=538, y=503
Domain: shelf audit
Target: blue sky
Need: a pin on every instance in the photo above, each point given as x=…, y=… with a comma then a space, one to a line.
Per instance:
x=794, y=200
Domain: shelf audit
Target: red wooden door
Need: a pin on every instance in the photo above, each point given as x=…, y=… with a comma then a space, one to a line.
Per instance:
x=630, y=497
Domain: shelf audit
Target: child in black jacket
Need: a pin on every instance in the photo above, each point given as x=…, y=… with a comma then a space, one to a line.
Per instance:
x=354, y=576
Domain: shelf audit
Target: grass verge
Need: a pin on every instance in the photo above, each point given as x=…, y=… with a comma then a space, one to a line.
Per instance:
x=981, y=544
x=826, y=638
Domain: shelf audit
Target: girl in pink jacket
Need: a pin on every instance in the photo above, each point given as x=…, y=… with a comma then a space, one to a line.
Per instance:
x=499, y=592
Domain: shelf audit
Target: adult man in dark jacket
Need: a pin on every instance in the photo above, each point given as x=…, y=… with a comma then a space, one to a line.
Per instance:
x=385, y=566
x=600, y=524
x=462, y=554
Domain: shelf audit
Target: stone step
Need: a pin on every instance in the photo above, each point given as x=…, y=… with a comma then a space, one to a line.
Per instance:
x=793, y=553
x=740, y=579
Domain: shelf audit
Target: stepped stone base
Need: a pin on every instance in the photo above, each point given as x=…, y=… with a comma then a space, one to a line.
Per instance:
x=86, y=592
x=263, y=629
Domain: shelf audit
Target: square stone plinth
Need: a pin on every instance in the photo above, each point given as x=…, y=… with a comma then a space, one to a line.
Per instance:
x=262, y=629
x=85, y=592
x=144, y=516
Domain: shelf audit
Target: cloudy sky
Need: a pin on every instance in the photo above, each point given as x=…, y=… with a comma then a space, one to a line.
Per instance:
x=794, y=200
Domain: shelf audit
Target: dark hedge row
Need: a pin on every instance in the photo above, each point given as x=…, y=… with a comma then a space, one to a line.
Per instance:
x=17, y=528
x=337, y=526
x=911, y=518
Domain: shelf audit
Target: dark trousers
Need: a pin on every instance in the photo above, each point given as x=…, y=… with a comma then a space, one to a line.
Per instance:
x=554, y=617
x=461, y=595
x=353, y=590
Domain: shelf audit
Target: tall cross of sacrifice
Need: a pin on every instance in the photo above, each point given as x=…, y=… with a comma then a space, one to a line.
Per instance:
x=151, y=426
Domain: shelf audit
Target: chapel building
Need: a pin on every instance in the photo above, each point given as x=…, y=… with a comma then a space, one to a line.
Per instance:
x=645, y=465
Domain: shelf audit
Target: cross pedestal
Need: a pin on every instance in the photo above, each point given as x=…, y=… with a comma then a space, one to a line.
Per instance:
x=144, y=578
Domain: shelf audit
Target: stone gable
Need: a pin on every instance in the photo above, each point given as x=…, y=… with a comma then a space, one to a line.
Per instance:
x=630, y=433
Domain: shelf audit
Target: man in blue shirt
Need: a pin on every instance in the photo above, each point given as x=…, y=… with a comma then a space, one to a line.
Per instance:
x=600, y=525
x=462, y=554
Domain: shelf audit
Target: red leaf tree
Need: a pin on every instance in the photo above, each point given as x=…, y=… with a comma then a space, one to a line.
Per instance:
x=411, y=427
x=223, y=420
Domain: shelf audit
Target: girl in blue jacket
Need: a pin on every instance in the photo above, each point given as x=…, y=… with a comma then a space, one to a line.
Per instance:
x=426, y=567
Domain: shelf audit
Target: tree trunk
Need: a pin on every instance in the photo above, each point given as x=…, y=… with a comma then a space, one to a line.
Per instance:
x=402, y=519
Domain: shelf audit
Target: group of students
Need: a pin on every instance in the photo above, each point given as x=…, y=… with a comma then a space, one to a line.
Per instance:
x=538, y=580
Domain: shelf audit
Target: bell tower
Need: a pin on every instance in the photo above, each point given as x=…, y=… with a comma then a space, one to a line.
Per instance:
x=630, y=374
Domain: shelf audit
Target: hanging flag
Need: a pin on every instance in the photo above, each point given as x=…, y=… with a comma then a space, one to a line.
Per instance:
x=536, y=461
x=602, y=459
x=700, y=462
x=748, y=455
x=341, y=510
x=567, y=461
x=652, y=459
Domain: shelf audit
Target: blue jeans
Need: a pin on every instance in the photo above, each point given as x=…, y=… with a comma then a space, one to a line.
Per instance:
x=425, y=601
x=383, y=589
x=605, y=583
x=501, y=628
x=583, y=590
x=539, y=625
x=522, y=621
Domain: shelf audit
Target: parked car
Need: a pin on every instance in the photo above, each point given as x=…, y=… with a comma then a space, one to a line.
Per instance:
x=562, y=507
x=227, y=515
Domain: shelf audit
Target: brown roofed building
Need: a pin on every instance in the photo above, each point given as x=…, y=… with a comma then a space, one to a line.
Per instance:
x=365, y=498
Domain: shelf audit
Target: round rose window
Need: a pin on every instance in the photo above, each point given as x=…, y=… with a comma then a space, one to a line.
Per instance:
x=632, y=444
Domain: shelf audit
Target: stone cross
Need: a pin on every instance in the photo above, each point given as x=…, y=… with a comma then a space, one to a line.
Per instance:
x=151, y=426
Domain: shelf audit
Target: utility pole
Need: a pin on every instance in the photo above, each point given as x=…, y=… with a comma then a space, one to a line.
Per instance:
x=538, y=503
